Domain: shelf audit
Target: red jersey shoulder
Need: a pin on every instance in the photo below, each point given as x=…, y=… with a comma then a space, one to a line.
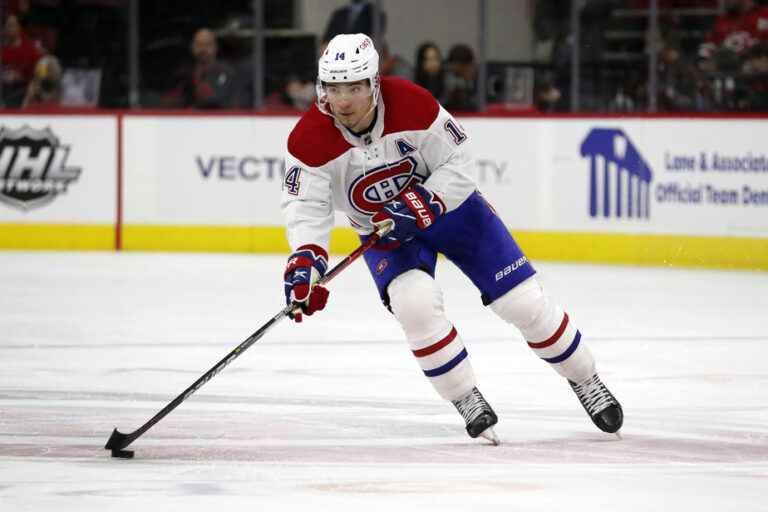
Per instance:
x=315, y=140
x=408, y=106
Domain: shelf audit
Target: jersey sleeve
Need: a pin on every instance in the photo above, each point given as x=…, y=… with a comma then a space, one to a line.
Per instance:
x=307, y=204
x=447, y=155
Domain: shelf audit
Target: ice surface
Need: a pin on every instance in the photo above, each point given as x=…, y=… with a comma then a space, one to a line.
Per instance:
x=334, y=414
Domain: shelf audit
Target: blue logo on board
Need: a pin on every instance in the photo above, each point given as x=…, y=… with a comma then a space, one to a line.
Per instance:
x=619, y=177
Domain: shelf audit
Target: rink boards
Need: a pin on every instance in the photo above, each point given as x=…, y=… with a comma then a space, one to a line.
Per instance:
x=690, y=192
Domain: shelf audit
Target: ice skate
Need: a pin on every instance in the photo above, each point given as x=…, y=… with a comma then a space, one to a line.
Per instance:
x=478, y=416
x=600, y=404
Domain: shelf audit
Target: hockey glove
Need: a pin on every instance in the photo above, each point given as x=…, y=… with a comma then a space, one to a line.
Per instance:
x=414, y=209
x=304, y=268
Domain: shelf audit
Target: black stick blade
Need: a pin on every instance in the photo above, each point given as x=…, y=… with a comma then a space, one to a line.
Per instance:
x=122, y=454
x=117, y=441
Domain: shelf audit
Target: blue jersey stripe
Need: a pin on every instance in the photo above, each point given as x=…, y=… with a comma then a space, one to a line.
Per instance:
x=447, y=366
x=565, y=355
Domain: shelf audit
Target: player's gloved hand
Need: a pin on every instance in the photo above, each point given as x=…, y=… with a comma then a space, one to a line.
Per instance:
x=415, y=208
x=304, y=268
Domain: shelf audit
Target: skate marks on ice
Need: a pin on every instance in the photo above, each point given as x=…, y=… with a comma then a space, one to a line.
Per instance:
x=318, y=416
x=51, y=425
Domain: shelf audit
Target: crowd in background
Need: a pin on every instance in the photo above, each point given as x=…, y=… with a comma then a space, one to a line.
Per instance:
x=708, y=59
x=62, y=53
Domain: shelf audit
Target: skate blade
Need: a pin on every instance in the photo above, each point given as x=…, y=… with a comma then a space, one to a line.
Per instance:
x=491, y=436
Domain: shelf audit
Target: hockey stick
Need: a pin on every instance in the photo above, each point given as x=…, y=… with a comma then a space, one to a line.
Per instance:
x=117, y=441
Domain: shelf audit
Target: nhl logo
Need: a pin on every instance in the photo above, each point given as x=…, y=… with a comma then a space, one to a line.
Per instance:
x=33, y=167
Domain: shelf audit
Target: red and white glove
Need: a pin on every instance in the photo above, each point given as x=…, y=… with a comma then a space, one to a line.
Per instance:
x=414, y=209
x=304, y=268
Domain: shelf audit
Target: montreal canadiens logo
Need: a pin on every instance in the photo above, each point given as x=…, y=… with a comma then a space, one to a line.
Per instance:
x=374, y=188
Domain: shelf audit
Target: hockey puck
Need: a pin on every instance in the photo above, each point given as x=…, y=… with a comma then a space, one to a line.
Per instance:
x=122, y=454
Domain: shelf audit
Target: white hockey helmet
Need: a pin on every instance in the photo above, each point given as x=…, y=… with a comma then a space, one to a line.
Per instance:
x=348, y=58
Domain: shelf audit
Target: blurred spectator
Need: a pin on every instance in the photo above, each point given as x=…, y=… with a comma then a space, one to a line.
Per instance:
x=754, y=83
x=40, y=20
x=631, y=93
x=757, y=59
x=44, y=91
x=357, y=17
x=551, y=27
x=429, y=70
x=297, y=94
x=554, y=45
x=393, y=65
x=546, y=97
x=679, y=81
x=301, y=93
x=80, y=87
x=758, y=20
x=623, y=101
x=210, y=83
x=461, y=79
x=19, y=56
x=734, y=32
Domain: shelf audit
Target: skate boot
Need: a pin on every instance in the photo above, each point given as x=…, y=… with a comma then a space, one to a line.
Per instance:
x=600, y=404
x=478, y=416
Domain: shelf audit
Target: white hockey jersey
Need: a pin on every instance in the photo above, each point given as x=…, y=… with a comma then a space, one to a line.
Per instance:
x=328, y=168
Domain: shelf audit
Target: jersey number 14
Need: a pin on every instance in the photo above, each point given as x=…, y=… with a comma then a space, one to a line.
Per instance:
x=292, y=181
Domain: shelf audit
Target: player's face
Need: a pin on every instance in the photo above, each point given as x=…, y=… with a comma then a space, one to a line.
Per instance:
x=351, y=103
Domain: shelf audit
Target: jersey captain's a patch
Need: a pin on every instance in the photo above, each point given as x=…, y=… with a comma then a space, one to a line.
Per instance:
x=374, y=188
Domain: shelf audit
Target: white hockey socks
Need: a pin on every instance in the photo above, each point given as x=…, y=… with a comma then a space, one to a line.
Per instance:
x=417, y=303
x=547, y=329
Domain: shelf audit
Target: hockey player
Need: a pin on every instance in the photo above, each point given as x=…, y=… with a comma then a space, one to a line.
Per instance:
x=384, y=151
